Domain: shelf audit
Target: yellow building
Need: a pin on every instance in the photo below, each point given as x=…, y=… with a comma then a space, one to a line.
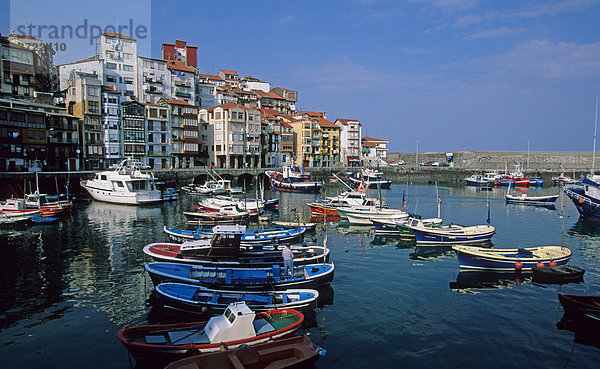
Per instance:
x=307, y=141
x=330, y=143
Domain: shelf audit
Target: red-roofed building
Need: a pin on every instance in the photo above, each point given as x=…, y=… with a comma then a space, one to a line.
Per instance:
x=45, y=72
x=374, y=148
x=272, y=101
x=350, y=143
x=279, y=141
x=186, y=145
x=330, y=142
x=183, y=82
x=291, y=97
x=181, y=52
x=231, y=77
x=235, y=132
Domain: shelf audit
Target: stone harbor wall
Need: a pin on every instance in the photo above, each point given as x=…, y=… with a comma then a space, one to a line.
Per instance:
x=499, y=160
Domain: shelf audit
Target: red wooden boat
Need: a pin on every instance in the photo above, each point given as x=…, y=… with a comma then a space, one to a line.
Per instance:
x=323, y=209
x=47, y=207
x=573, y=304
x=284, y=353
x=237, y=326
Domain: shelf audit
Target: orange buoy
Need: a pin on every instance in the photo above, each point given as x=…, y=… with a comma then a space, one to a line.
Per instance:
x=539, y=265
x=553, y=264
x=518, y=266
x=581, y=201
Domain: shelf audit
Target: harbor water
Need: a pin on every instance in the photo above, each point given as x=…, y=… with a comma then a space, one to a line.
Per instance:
x=67, y=288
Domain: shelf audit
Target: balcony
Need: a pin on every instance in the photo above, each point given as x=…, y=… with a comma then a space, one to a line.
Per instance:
x=158, y=153
x=183, y=94
x=60, y=140
x=182, y=84
x=153, y=91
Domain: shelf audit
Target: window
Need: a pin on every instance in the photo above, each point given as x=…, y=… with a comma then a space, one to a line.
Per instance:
x=93, y=106
x=128, y=81
x=111, y=78
x=93, y=91
x=111, y=65
x=127, y=68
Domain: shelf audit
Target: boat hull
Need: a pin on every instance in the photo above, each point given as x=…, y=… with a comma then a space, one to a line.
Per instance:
x=427, y=235
x=291, y=352
x=127, y=198
x=578, y=305
x=510, y=259
x=305, y=187
x=558, y=274
x=196, y=299
x=585, y=205
x=534, y=200
x=135, y=339
x=306, y=276
x=267, y=237
x=248, y=257
x=320, y=209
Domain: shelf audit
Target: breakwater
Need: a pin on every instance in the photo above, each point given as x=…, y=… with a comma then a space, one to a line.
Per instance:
x=499, y=160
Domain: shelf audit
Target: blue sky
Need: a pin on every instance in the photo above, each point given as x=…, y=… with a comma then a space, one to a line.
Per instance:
x=453, y=74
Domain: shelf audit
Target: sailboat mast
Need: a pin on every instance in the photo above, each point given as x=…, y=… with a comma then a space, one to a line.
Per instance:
x=595, y=128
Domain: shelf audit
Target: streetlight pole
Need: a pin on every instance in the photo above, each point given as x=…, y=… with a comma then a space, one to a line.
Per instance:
x=417, y=157
x=528, y=143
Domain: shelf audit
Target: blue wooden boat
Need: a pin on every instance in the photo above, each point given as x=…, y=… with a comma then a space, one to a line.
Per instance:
x=536, y=182
x=523, y=259
x=273, y=278
x=197, y=299
x=452, y=233
x=587, y=198
x=41, y=220
x=293, y=179
x=250, y=237
x=224, y=249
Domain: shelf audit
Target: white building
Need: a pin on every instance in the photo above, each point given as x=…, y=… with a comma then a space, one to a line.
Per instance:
x=183, y=82
x=119, y=53
x=111, y=125
x=249, y=83
x=158, y=140
x=350, y=142
x=116, y=64
x=154, y=80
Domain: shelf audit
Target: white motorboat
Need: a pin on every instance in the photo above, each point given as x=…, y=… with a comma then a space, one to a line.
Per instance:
x=128, y=183
x=14, y=210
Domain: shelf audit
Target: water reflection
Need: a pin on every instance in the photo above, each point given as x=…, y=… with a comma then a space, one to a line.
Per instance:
x=397, y=241
x=585, y=228
x=345, y=227
x=424, y=252
x=469, y=280
x=586, y=332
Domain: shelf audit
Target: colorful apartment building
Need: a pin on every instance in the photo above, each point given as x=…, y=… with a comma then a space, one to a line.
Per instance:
x=330, y=143
x=235, y=131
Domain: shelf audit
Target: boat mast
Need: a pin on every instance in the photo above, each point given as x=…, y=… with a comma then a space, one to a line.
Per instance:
x=595, y=127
